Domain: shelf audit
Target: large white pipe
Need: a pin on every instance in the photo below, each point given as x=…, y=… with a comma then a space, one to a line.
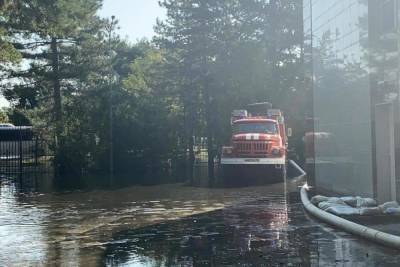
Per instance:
x=294, y=164
x=354, y=228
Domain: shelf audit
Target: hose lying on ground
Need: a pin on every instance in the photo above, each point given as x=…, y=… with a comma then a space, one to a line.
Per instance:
x=351, y=227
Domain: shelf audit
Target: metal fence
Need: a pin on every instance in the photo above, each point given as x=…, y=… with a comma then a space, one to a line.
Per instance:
x=22, y=150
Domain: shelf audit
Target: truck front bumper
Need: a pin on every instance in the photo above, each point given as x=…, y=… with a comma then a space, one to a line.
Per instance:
x=253, y=161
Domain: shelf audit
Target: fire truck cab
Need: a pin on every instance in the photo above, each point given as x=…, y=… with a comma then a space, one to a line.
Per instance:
x=258, y=142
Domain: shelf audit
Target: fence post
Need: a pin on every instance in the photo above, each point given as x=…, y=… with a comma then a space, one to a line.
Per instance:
x=1, y=156
x=20, y=150
x=36, y=152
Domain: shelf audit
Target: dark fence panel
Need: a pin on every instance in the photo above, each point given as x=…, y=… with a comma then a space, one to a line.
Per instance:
x=23, y=150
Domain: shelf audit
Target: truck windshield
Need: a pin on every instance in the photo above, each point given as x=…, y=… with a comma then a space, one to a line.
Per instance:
x=255, y=127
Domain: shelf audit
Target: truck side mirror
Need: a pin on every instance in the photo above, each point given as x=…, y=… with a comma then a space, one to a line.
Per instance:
x=289, y=132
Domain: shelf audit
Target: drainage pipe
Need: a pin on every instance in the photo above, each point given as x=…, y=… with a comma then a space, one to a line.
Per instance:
x=351, y=227
x=297, y=167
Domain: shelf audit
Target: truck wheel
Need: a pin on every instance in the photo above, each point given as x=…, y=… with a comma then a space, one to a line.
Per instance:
x=280, y=172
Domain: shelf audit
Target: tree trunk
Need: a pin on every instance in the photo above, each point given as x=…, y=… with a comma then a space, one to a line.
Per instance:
x=57, y=109
x=209, y=129
x=190, y=133
x=189, y=126
x=191, y=154
x=210, y=150
x=274, y=22
x=56, y=85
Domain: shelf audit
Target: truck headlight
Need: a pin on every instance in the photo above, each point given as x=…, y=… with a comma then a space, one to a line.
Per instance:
x=276, y=152
x=227, y=150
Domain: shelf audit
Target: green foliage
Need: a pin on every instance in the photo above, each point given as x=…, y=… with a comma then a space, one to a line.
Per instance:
x=8, y=53
x=207, y=58
x=156, y=110
x=3, y=116
x=56, y=40
x=85, y=139
x=229, y=54
x=49, y=35
x=18, y=117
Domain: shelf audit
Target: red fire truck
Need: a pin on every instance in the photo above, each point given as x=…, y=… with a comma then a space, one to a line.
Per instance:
x=258, y=144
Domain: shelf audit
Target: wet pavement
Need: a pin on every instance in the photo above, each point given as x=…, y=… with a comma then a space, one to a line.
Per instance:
x=174, y=225
x=385, y=223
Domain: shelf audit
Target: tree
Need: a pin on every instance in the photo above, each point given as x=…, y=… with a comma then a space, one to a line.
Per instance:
x=50, y=36
x=3, y=116
x=8, y=53
x=231, y=53
x=207, y=59
x=199, y=33
x=86, y=137
x=47, y=34
x=152, y=108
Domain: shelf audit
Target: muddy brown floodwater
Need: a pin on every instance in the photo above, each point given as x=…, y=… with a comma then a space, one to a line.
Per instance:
x=174, y=225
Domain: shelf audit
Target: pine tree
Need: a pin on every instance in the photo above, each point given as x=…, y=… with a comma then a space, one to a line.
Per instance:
x=48, y=34
x=8, y=53
x=229, y=54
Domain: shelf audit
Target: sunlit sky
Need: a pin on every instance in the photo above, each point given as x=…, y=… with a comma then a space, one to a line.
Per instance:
x=3, y=102
x=136, y=20
x=136, y=17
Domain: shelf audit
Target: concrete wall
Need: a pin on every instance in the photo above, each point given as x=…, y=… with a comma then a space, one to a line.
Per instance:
x=341, y=97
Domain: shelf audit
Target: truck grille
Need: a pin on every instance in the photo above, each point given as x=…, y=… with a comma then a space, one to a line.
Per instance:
x=251, y=147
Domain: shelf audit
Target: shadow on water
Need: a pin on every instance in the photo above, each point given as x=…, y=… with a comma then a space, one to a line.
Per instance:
x=241, y=176
x=271, y=231
x=91, y=182
x=170, y=225
x=217, y=238
x=76, y=227
x=48, y=183
x=237, y=238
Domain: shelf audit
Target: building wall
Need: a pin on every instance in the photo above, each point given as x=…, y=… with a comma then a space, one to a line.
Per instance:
x=384, y=67
x=343, y=141
x=351, y=51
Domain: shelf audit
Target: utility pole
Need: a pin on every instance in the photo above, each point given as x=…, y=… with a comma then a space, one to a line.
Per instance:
x=110, y=31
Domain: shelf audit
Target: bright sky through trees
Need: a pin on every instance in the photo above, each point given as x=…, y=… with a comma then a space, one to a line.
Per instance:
x=136, y=20
x=136, y=17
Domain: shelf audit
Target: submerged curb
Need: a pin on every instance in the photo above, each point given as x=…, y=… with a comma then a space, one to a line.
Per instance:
x=351, y=227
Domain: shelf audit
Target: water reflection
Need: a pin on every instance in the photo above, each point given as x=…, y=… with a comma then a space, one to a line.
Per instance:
x=216, y=238
x=272, y=231
x=74, y=227
x=169, y=225
x=21, y=228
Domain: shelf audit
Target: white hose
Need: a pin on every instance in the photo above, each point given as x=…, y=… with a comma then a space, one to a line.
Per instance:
x=294, y=164
x=354, y=228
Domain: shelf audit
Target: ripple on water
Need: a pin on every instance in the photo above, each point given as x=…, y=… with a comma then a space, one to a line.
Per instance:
x=167, y=224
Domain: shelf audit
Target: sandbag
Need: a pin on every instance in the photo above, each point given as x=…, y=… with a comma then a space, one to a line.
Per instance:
x=317, y=199
x=366, y=202
x=359, y=202
x=336, y=200
x=392, y=211
x=351, y=201
x=324, y=205
x=391, y=204
x=342, y=210
x=331, y=203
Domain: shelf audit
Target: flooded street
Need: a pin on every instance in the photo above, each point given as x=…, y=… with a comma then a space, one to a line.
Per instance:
x=173, y=225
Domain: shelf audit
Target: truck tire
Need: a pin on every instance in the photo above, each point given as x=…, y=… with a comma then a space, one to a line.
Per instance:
x=280, y=172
